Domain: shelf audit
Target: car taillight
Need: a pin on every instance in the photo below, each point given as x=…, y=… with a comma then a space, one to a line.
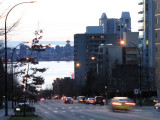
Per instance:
x=94, y=100
x=71, y=99
x=116, y=103
x=130, y=103
x=103, y=100
x=66, y=99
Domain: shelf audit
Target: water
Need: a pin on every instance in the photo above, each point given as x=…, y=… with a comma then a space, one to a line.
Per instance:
x=54, y=70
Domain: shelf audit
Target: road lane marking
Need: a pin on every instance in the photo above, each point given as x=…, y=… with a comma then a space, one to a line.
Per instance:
x=56, y=108
x=45, y=112
x=76, y=107
x=91, y=119
x=82, y=116
x=137, y=110
x=55, y=111
x=63, y=111
x=69, y=107
x=49, y=108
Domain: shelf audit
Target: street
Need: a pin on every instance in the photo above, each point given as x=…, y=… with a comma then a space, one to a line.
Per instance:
x=57, y=110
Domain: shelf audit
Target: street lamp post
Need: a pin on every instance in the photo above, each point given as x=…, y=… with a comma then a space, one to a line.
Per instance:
x=122, y=42
x=6, y=78
x=12, y=68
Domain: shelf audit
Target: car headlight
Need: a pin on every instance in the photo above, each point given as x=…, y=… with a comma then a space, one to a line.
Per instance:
x=18, y=109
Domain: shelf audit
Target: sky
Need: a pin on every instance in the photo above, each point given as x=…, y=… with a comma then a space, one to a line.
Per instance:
x=61, y=19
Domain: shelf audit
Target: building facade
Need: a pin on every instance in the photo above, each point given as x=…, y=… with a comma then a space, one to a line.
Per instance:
x=116, y=26
x=147, y=38
x=157, y=46
x=86, y=48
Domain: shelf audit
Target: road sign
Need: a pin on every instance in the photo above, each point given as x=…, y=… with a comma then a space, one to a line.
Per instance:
x=136, y=91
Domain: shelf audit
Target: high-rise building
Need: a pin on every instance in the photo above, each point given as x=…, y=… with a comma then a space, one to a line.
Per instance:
x=147, y=39
x=157, y=46
x=86, y=51
x=116, y=26
x=86, y=46
x=112, y=25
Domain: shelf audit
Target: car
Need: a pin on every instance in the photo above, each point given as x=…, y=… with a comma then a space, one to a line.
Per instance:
x=90, y=101
x=63, y=97
x=121, y=103
x=68, y=100
x=99, y=100
x=42, y=99
x=20, y=107
x=157, y=106
x=81, y=99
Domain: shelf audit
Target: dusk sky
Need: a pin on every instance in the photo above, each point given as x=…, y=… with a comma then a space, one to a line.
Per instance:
x=61, y=19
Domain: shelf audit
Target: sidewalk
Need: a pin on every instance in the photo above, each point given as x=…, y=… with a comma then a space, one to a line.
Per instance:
x=2, y=112
x=145, y=107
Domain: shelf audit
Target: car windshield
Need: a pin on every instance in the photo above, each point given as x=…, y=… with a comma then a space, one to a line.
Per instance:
x=99, y=98
x=68, y=98
x=124, y=100
x=82, y=97
x=91, y=98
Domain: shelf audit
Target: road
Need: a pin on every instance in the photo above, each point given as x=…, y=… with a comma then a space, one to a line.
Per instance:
x=57, y=110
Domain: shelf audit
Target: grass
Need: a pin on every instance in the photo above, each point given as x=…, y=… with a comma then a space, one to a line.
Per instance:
x=27, y=118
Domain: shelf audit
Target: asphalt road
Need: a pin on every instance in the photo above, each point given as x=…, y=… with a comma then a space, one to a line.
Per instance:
x=57, y=110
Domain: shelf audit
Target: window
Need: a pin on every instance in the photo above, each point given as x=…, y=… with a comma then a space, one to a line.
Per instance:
x=146, y=7
x=147, y=42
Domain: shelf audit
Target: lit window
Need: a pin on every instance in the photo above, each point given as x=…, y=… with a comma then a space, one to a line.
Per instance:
x=92, y=37
x=147, y=43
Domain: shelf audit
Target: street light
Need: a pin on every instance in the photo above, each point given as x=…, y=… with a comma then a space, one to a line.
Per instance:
x=6, y=81
x=12, y=67
x=122, y=42
x=77, y=65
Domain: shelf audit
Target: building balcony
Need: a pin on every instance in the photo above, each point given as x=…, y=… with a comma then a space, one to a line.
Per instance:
x=141, y=19
x=141, y=28
x=141, y=2
x=141, y=11
x=141, y=37
x=133, y=56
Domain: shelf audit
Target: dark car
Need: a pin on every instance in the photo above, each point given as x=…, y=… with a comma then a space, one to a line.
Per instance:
x=81, y=99
x=20, y=107
x=68, y=100
x=99, y=100
x=157, y=106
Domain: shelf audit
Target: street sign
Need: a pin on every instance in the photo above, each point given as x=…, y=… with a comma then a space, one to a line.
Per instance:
x=136, y=91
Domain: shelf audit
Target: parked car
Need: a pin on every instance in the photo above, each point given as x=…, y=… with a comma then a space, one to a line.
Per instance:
x=121, y=103
x=157, y=106
x=68, y=100
x=90, y=101
x=99, y=100
x=20, y=107
x=81, y=99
